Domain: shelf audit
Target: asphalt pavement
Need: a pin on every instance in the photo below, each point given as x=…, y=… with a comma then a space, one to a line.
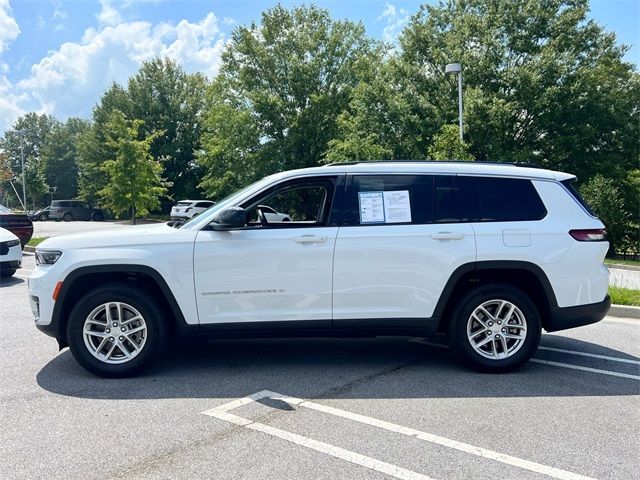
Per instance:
x=320, y=409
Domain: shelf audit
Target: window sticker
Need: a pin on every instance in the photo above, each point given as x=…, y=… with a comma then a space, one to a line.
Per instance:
x=397, y=207
x=371, y=207
x=385, y=207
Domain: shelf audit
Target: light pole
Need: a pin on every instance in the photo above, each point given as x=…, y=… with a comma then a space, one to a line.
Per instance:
x=24, y=183
x=456, y=69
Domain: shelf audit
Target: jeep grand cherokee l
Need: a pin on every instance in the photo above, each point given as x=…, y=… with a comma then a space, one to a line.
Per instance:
x=490, y=254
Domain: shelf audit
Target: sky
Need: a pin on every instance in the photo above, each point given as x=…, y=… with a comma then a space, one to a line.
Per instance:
x=59, y=56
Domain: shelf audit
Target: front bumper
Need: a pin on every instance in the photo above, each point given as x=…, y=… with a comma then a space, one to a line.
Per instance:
x=570, y=317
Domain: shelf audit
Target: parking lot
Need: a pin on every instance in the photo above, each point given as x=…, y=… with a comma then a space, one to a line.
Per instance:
x=320, y=408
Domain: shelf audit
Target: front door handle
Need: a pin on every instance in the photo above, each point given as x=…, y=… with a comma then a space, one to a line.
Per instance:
x=309, y=239
x=447, y=236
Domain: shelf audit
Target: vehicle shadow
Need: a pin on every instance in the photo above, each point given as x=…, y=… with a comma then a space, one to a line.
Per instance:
x=336, y=368
x=11, y=281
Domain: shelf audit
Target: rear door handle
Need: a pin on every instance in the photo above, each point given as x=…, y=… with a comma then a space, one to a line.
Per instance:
x=447, y=236
x=309, y=239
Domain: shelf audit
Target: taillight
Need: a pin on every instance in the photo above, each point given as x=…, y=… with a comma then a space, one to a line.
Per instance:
x=590, y=235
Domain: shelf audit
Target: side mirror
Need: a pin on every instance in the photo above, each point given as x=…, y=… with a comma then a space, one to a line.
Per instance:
x=229, y=219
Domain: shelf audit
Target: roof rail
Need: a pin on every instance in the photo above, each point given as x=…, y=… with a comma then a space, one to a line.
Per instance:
x=358, y=162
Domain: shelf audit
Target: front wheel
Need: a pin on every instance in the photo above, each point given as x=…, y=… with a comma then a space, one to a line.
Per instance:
x=43, y=217
x=67, y=217
x=97, y=217
x=495, y=328
x=116, y=331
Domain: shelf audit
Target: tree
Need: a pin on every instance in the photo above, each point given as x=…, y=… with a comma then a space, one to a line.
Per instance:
x=59, y=162
x=447, y=145
x=543, y=84
x=168, y=99
x=133, y=176
x=605, y=198
x=35, y=128
x=281, y=87
x=92, y=144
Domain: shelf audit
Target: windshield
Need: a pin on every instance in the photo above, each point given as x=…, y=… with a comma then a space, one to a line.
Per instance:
x=222, y=204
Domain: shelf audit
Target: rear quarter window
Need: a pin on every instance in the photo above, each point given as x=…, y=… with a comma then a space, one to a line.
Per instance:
x=495, y=199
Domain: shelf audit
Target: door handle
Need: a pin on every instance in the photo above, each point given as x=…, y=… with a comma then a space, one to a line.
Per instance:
x=447, y=236
x=309, y=239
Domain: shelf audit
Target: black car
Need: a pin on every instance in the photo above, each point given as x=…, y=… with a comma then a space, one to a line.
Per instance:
x=42, y=214
x=68, y=210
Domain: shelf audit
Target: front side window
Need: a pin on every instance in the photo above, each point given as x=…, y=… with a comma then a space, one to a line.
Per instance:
x=294, y=204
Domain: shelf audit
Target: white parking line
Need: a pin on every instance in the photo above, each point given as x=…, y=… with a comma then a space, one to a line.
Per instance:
x=592, y=355
x=585, y=369
x=559, y=364
x=221, y=413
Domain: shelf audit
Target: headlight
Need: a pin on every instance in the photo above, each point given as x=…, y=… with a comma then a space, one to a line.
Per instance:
x=13, y=243
x=47, y=257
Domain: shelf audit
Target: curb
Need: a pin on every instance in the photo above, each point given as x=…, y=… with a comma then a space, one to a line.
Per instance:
x=619, y=266
x=624, y=311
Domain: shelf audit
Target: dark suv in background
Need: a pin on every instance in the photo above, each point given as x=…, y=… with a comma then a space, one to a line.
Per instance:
x=68, y=210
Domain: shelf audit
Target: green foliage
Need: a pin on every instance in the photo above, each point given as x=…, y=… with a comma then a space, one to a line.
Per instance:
x=59, y=163
x=35, y=129
x=624, y=296
x=281, y=87
x=93, y=146
x=169, y=100
x=133, y=176
x=448, y=146
x=604, y=197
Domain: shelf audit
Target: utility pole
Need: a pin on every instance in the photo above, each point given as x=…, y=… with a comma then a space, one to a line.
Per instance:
x=24, y=183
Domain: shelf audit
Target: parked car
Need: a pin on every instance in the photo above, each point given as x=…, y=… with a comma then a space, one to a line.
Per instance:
x=18, y=224
x=488, y=253
x=68, y=210
x=41, y=215
x=186, y=209
x=10, y=253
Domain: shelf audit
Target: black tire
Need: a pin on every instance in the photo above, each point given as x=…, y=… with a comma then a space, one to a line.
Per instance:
x=7, y=273
x=139, y=299
x=67, y=217
x=43, y=217
x=457, y=331
x=97, y=217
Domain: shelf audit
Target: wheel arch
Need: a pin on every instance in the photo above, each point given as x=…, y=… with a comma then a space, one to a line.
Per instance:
x=526, y=276
x=84, y=279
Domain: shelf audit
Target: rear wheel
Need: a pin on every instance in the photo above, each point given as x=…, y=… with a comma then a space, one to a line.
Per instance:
x=116, y=331
x=97, y=217
x=495, y=328
x=67, y=217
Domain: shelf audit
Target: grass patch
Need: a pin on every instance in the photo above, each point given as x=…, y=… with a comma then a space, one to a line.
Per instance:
x=624, y=296
x=35, y=241
x=613, y=261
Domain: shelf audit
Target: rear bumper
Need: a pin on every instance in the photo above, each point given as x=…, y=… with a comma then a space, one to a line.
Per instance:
x=570, y=317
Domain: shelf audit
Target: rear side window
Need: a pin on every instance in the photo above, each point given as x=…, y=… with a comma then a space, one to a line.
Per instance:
x=203, y=204
x=495, y=199
x=389, y=199
x=575, y=194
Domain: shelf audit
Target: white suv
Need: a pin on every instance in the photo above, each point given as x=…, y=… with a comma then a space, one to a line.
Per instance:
x=488, y=253
x=185, y=209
